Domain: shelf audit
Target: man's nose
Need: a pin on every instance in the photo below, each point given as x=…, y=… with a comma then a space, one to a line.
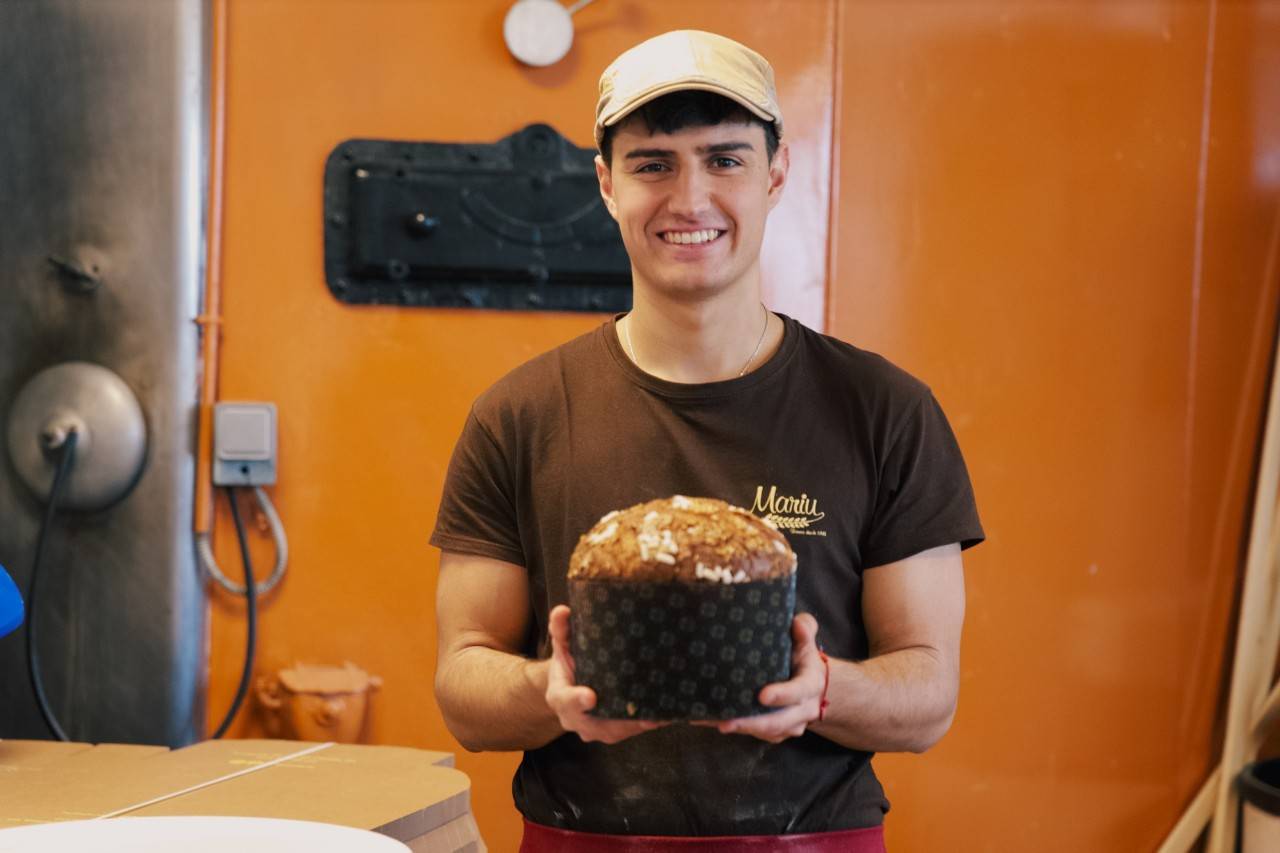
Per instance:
x=691, y=194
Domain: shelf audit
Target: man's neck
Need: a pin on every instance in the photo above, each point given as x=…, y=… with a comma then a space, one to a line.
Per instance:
x=699, y=341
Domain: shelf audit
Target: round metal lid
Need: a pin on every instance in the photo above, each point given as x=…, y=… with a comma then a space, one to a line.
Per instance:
x=112, y=433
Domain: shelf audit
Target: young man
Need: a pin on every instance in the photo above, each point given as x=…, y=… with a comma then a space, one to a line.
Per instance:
x=701, y=390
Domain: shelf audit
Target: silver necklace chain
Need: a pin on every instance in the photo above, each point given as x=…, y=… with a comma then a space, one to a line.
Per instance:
x=626, y=333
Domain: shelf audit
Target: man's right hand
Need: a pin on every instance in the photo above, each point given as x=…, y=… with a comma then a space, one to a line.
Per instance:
x=571, y=702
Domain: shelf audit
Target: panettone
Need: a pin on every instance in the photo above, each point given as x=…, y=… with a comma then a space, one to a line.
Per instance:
x=681, y=609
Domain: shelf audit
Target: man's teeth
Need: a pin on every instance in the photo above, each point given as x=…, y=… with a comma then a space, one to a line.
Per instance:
x=704, y=236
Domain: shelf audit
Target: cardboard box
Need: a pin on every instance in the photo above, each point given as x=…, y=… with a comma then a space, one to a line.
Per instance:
x=412, y=795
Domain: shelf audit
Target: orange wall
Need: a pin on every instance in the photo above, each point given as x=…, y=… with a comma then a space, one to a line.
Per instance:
x=1029, y=217
x=1021, y=220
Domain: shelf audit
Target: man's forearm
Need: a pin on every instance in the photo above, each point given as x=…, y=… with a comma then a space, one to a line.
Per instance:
x=492, y=700
x=902, y=701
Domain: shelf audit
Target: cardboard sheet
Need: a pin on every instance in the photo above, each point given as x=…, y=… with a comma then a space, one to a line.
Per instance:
x=412, y=795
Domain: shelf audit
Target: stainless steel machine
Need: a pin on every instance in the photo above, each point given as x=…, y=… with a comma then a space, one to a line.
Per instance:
x=103, y=188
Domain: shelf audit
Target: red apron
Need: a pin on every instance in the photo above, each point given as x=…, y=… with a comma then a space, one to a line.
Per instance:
x=545, y=839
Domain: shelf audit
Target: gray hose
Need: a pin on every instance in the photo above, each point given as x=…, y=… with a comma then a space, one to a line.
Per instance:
x=210, y=565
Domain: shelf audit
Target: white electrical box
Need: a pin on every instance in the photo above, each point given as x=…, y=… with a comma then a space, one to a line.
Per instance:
x=244, y=444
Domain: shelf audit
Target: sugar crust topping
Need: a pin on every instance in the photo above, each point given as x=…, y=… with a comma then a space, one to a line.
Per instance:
x=697, y=540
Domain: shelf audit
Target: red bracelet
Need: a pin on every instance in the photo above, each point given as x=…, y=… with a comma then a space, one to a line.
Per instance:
x=826, y=682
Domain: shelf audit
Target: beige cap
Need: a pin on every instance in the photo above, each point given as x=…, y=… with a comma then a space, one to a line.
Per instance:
x=686, y=59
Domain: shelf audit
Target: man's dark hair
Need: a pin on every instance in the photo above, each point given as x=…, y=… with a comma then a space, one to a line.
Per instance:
x=691, y=108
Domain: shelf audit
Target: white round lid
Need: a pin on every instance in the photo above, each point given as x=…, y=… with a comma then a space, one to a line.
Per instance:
x=538, y=32
x=194, y=835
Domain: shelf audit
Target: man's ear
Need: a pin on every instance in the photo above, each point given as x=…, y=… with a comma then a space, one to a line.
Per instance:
x=778, y=168
x=605, y=177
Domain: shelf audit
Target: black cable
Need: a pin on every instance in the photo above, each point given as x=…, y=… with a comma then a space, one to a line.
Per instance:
x=251, y=597
x=64, y=455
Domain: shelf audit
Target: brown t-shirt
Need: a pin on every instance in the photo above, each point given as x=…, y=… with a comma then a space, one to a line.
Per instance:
x=849, y=455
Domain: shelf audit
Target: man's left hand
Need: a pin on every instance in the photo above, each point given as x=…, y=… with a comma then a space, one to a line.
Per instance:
x=796, y=699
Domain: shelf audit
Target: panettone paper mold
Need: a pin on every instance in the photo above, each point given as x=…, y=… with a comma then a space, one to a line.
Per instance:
x=671, y=650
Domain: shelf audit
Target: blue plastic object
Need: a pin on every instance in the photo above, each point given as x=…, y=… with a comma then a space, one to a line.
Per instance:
x=11, y=610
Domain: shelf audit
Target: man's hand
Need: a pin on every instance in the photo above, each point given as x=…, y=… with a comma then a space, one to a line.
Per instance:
x=797, y=699
x=571, y=702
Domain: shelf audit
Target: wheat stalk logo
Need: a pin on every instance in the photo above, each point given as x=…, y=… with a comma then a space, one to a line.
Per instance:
x=789, y=522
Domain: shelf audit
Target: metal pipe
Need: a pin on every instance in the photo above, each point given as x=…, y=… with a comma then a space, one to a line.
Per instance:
x=210, y=319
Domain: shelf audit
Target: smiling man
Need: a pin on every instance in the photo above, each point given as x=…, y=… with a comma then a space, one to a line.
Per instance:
x=701, y=390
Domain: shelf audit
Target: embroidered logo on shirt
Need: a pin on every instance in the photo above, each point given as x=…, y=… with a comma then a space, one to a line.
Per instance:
x=790, y=513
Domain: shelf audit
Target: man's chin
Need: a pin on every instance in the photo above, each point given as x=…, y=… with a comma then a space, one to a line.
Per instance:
x=688, y=288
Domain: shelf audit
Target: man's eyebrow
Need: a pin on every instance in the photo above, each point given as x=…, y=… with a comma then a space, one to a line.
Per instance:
x=717, y=148
x=723, y=147
x=649, y=152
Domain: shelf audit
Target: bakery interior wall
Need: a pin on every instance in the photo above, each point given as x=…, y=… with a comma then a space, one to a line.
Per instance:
x=1061, y=216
